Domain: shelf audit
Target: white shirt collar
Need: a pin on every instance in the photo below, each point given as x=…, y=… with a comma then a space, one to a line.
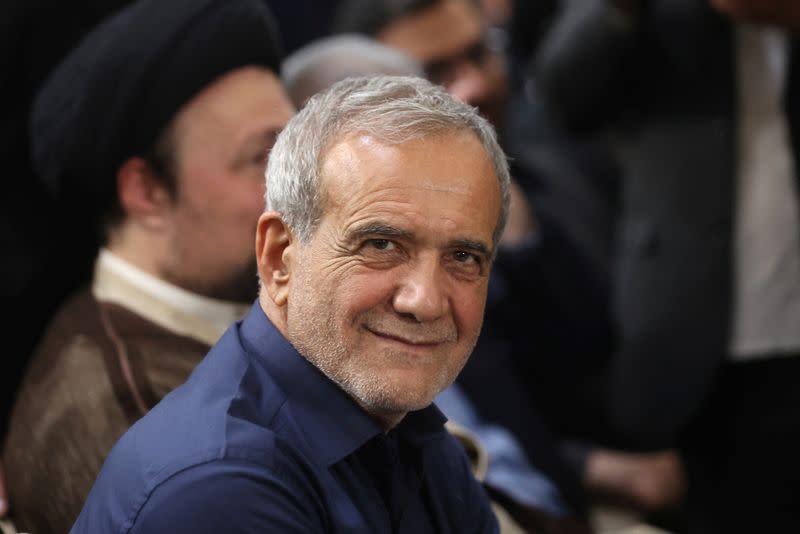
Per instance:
x=172, y=307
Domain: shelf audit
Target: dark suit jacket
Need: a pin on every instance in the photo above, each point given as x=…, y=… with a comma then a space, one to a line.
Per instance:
x=664, y=84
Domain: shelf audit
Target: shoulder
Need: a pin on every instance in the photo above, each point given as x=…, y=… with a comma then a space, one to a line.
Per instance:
x=235, y=495
x=67, y=378
x=226, y=430
x=241, y=489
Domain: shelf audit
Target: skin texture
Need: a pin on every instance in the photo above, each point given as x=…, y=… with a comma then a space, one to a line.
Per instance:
x=448, y=40
x=201, y=238
x=387, y=297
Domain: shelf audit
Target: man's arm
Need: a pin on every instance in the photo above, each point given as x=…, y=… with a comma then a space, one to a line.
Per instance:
x=584, y=65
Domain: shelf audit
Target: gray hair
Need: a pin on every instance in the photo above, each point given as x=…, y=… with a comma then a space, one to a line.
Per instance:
x=393, y=109
x=321, y=63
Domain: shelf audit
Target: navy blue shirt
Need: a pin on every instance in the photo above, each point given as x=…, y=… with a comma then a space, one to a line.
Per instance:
x=259, y=440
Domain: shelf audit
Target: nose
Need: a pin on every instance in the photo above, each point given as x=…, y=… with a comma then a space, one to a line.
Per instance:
x=422, y=293
x=469, y=83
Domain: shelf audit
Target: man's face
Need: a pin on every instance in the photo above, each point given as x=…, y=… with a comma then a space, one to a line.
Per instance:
x=448, y=39
x=222, y=137
x=387, y=297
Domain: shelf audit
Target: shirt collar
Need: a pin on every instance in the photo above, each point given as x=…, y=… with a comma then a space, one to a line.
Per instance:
x=334, y=424
x=180, y=311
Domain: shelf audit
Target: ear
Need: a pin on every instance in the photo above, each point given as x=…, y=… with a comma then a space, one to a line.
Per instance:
x=142, y=195
x=275, y=249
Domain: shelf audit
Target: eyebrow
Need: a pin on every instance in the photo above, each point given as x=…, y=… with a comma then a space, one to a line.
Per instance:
x=387, y=230
x=261, y=140
x=377, y=228
x=469, y=244
x=267, y=135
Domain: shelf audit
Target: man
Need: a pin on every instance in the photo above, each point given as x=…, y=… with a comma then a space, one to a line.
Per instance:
x=156, y=127
x=385, y=201
x=703, y=100
x=314, y=68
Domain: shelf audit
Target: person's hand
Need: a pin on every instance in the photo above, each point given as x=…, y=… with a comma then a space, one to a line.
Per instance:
x=3, y=493
x=647, y=481
x=782, y=13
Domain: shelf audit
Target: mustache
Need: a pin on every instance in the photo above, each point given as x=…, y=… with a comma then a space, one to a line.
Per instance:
x=414, y=333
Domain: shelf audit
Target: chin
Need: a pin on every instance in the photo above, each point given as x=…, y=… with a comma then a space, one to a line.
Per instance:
x=399, y=398
x=384, y=390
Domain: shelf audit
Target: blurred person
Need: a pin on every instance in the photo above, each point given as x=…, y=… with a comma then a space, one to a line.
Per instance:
x=34, y=37
x=547, y=329
x=385, y=202
x=701, y=98
x=459, y=59
x=159, y=134
x=497, y=12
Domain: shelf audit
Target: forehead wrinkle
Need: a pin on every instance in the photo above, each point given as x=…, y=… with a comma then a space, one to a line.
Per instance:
x=457, y=189
x=376, y=204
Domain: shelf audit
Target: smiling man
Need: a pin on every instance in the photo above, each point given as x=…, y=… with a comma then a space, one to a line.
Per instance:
x=385, y=201
x=393, y=282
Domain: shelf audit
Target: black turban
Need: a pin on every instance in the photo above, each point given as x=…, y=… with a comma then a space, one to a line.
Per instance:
x=120, y=87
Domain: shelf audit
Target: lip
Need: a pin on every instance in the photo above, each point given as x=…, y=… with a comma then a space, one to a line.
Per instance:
x=404, y=341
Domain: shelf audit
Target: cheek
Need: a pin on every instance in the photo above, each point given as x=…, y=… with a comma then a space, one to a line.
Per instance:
x=217, y=189
x=468, y=305
x=361, y=292
x=241, y=198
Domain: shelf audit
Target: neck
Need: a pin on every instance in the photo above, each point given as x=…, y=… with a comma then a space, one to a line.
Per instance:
x=386, y=419
x=136, y=247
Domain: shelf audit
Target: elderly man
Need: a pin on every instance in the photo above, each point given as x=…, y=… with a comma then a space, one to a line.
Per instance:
x=157, y=126
x=508, y=470
x=385, y=201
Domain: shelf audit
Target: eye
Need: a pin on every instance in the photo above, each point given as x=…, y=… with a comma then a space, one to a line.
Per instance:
x=258, y=158
x=380, y=244
x=462, y=256
x=379, y=253
x=465, y=264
